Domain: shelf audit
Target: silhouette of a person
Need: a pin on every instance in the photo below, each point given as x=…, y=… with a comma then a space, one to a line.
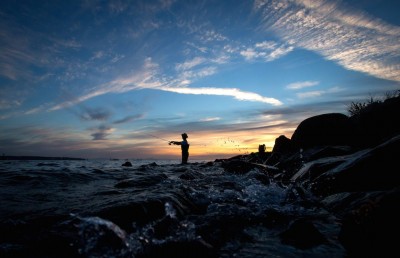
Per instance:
x=184, y=147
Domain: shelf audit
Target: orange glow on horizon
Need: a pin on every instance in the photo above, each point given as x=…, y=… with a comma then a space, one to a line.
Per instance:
x=204, y=145
x=209, y=146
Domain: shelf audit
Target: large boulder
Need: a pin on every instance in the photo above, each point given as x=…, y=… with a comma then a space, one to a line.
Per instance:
x=373, y=169
x=369, y=220
x=325, y=129
x=283, y=145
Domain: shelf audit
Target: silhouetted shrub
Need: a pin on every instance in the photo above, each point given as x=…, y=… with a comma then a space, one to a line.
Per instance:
x=356, y=108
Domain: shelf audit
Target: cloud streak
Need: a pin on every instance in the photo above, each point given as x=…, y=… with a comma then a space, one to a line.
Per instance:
x=301, y=85
x=99, y=114
x=144, y=78
x=148, y=78
x=233, y=92
x=190, y=63
x=128, y=119
x=312, y=94
x=351, y=38
x=102, y=132
x=210, y=119
x=267, y=51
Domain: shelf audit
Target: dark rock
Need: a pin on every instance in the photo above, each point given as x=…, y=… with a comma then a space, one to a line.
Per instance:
x=224, y=222
x=325, y=129
x=283, y=145
x=180, y=169
x=274, y=217
x=139, y=212
x=180, y=249
x=258, y=157
x=259, y=176
x=237, y=166
x=300, y=162
x=165, y=227
x=187, y=176
x=302, y=234
x=237, y=157
x=367, y=170
x=147, y=166
x=370, y=221
x=283, y=148
x=378, y=122
x=327, y=151
x=127, y=164
x=274, y=159
x=313, y=169
x=23, y=238
x=207, y=164
x=288, y=164
x=190, y=175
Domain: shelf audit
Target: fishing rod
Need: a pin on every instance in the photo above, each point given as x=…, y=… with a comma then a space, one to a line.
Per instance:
x=157, y=137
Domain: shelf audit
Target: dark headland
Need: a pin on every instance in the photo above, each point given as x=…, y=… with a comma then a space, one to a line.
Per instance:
x=36, y=158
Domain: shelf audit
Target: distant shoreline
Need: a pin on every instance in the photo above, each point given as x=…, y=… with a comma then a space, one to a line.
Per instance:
x=36, y=158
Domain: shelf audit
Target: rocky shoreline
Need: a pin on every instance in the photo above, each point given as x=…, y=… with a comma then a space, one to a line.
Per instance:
x=348, y=166
x=331, y=190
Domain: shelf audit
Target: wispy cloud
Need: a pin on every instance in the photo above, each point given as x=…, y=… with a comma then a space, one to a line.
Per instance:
x=190, y=63
x=233, y=92
x=354, y=39
x=24, y=49
x=143, y=78
x=201, y=49
x=102, y=132
x=210, y=119
x=35, y=110
x=312, y=94
x=194, y=74
x=301, y=85
x=6, y=103
x=99, y=114
x=14, y=60
x=212, y=35
x=267, y=51
x=128, y=119
x=148, y=78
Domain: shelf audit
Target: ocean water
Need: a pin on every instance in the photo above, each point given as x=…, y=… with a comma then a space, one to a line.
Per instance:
x=156, y=208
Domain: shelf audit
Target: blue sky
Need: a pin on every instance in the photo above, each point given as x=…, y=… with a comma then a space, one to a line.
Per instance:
x=118, y=79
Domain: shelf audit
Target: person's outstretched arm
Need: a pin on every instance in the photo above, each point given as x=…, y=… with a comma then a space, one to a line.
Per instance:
x=174, y=142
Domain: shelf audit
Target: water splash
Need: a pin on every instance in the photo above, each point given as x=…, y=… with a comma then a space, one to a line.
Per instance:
x=102, y=238
x=170, y=210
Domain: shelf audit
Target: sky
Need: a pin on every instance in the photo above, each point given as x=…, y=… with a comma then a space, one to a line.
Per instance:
x=119, y=78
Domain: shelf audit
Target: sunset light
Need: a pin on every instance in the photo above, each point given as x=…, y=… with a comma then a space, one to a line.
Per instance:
x=104, y=80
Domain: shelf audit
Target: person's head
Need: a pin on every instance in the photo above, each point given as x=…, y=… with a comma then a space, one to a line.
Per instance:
x=185, y=136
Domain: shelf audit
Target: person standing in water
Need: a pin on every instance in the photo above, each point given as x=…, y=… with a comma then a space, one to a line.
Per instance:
x=184, y=146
